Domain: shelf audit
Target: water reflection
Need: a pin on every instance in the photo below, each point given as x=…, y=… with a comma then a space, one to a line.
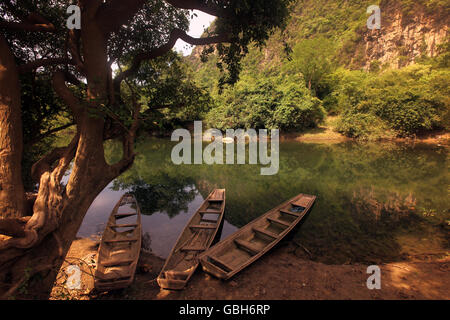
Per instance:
x=375, y=202
x=164, y=193
x=160, y=227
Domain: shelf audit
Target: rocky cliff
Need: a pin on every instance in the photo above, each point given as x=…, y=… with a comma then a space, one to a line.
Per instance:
x=409, y=30
x=405, y=35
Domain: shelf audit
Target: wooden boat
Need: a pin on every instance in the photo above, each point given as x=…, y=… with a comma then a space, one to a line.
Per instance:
x=196, y=237
x=120, y=247
x=252, y=241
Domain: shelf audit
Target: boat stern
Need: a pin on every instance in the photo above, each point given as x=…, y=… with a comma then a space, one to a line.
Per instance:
x=171, y=284
x=213, y=269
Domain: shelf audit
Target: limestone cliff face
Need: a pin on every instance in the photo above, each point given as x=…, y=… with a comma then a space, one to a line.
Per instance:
x=403, y=37
x=406, y=33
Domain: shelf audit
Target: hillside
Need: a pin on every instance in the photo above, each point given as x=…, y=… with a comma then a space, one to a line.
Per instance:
x=409, y=29
x=381, y=83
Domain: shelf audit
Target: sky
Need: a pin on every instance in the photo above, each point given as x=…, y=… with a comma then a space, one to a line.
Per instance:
x=196, y=28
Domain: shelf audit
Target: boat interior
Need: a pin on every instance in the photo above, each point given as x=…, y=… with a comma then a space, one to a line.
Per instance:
x=120, y=244
x=196, y=238
x=257, y=237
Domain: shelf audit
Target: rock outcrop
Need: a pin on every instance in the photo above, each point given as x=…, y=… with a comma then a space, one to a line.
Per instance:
x=404, y=36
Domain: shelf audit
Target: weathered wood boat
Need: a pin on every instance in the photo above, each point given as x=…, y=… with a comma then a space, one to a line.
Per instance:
x=120, y=247
x=252, y=241
x=196, y=237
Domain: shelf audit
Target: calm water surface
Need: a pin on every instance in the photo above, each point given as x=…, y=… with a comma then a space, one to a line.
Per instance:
x=376, y=202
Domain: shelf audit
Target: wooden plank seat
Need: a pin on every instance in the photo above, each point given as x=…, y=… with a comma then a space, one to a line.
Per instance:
x=131, y=225
x=202, y=226
x=193, y=248
x=118, y=262
x=282, y=211
x=247, y=246
x=210, y=212
x=111, y=279
x=278, y=221
x=220, y=263
x=265, y=232
x=121, y=240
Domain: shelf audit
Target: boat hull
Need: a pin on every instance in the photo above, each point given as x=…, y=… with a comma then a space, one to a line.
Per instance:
x=198, y=235
x=119, y=250
x=252, y=241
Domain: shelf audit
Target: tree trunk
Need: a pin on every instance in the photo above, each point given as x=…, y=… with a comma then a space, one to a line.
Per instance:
x=28, y=268
x=32, y=273
x=12, y=196
x=29, y=262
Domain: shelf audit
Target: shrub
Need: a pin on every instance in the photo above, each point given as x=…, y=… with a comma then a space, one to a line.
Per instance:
x=409, y=101
x=269, y=102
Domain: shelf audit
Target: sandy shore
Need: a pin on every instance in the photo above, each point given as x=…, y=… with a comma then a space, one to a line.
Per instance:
x=281, y=274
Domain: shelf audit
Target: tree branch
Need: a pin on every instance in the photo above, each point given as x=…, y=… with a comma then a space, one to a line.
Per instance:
x=128, y=138
x=42, y=63
x=33, y=22
x=205, y=6
x=49, y=132
x=63, y=154
x=13, y=227
x=67, y=95
x=73, y=41
x=46, y=162
x=26, y=26
x=174, y=36
x=115, y=13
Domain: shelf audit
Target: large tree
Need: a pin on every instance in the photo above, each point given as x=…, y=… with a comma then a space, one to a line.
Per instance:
x=34, y=239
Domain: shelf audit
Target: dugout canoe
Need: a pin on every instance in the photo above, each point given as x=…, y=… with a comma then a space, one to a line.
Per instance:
x=252, y=241
x=120, y=246
x=196, y=237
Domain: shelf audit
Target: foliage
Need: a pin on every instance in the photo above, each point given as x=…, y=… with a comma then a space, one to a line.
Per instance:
x=327, y=44
x=169, y=93
x=408, y=101
x=164, y=81
x=313, y=58
x=281, y=102
x=251, y=22
x=42, y=112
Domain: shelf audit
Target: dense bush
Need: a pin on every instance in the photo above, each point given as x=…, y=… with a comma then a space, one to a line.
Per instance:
x=407, y=101
x=281, y=102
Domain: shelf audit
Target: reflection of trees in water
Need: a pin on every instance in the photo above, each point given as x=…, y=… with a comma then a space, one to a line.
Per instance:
x=389, y=210
x=399, y=175
x=169, y=194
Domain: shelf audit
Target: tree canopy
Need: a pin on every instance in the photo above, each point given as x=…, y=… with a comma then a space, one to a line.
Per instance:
x=95, y=76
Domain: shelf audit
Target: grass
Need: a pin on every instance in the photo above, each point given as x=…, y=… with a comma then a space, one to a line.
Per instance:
x=326, y=132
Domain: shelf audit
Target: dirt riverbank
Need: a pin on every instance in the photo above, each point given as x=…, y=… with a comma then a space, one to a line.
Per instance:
x=327, y=133
x=281, y=274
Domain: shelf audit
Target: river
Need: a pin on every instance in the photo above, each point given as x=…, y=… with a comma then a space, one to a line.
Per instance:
x=376, y=202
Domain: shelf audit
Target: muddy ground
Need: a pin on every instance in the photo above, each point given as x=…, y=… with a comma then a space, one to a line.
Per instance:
x=284, y=273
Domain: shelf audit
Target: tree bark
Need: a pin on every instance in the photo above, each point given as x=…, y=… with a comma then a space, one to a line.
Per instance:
x=33, y=261
x=30, y=260
x=35, y=270
x=12, y=195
